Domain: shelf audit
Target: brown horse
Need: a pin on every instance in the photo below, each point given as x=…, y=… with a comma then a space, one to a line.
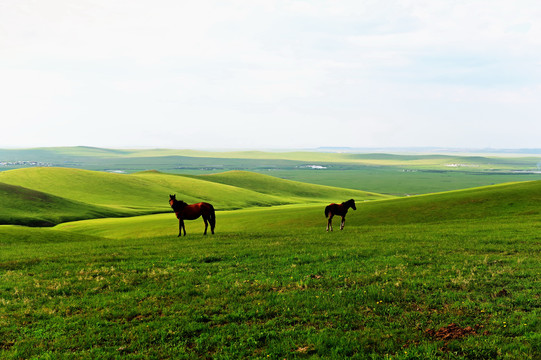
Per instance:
x=184, y=211
x=340, y=210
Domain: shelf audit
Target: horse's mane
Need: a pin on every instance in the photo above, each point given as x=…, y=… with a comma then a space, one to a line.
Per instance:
x=348, y=202
x=178, y=204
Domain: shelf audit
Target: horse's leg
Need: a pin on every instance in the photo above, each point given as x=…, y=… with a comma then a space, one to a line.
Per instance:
x=206, y=224
x=212, y=220
x=181, y=227
x=343, y=223
x=329, y=222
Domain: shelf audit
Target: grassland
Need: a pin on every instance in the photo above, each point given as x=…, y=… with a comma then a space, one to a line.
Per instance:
x=450, y=275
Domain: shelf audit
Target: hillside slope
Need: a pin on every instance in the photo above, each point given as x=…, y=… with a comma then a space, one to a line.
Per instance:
x=280, y=187
x=142, y=191
x=91, y=187
x=504, y=200
x=499, y=204
x=22, y=206
x=99, y=194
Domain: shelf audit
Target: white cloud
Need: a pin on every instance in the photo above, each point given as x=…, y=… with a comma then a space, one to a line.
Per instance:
x=146, y=69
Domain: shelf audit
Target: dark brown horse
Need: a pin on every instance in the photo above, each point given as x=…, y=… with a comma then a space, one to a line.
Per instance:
x=184, y=211
x=340, y=210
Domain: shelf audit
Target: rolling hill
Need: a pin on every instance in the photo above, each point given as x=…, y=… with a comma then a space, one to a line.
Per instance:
x=286, y=188
x=77, y=194
x=48, y=196
x=22, y=206
x=514, y=202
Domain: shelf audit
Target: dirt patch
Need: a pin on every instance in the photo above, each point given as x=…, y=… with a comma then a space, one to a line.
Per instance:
x=452, y=331
x=310, y=349
x=503, y=293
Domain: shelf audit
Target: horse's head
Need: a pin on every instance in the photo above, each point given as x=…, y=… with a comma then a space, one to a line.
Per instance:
x=351, y=204
x=176, y=204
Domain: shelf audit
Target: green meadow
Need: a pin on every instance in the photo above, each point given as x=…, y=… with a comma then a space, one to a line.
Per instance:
x=91, y=267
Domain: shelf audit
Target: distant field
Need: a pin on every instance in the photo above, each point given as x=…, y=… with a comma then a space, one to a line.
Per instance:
x=399, y=181
x=137, y=160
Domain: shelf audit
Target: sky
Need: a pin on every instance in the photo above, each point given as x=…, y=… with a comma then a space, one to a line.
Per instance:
x=270, y=74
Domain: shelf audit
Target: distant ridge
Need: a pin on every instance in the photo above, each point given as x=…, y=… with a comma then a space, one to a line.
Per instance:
x=94, y=150
x=424, y=150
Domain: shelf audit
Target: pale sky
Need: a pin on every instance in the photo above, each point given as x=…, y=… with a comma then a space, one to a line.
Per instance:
x=270, y=74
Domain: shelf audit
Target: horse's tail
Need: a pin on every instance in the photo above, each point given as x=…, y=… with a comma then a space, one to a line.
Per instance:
x=212, y=218
x=327, y=211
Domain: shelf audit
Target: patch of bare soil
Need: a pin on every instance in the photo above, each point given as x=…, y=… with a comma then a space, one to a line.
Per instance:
x=310, y=349
x=452, y=331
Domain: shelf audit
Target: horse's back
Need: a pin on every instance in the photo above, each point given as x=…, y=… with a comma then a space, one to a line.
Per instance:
x=206, y=205
x=206, y=208
x=191, y=212
x=331, y=208
x=336, y=209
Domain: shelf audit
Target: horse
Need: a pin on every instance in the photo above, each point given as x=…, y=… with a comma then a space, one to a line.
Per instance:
x=184, y=211
x=340, y=210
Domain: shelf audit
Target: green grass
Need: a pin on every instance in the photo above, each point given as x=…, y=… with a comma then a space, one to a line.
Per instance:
x=365, y=292
x=287, y=217
x=273, y=284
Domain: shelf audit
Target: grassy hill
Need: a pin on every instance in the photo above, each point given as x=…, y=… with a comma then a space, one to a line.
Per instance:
x=504, y=200
x=270, y=185
x=53, y=195
x=98, y=188
x=22, y=206
x=78, y=194
x=510, y=202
